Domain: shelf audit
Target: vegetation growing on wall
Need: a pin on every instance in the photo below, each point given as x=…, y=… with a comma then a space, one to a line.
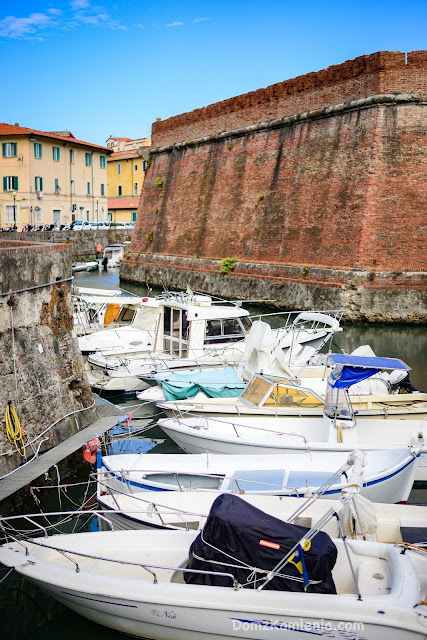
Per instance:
x=228, y=264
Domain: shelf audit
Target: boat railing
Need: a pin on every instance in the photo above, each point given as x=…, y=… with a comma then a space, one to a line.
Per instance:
x=183, y=415
x=290, y=316
x=150, y=568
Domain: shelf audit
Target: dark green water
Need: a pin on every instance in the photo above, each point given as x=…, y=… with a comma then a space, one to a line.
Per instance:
x=27, y=612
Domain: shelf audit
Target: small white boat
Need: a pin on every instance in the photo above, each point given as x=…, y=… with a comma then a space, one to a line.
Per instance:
x=91, y=265
x=388, y=475
x=94, y=313
x=113, y=254
x=122, y=322
x=149, y=584
x=391, y=523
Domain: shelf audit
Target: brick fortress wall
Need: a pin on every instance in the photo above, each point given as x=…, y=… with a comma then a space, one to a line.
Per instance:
x=324, y=173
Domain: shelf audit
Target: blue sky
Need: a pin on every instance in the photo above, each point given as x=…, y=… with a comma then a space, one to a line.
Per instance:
x=100, y=67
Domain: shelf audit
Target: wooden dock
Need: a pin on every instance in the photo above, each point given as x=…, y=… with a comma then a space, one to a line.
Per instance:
x=108, y=416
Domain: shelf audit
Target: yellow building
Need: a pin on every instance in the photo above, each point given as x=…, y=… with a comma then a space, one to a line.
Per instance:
x=50, y=177
x=126, y=170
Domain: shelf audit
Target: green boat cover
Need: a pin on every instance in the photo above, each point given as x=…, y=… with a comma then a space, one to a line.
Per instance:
x=215, y=383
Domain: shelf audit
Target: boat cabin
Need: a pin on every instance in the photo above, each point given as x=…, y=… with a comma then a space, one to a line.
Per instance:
x=189, y=324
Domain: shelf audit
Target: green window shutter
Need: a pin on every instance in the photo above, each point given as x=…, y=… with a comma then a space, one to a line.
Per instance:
x=56, y=184
x=15, y=183
x=3, y=146
x=102, y=189
x=35, y=149
x=41, y=184
x=14, y=149
x=4, y=183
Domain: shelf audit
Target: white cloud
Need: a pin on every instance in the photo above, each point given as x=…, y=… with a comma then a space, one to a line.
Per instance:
x=140, y=26
x=28, y=28
x=55, y=12
x=76, y=5
x=201, y=19
x=175, y=24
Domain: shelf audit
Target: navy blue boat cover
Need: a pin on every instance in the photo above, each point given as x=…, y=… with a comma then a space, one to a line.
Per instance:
x=238, y=537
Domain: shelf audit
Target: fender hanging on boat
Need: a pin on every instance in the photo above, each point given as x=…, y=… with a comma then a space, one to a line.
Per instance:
x=90, y=449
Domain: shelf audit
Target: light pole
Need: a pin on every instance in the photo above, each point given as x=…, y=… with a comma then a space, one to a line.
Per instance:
x=14, y=194
x=97, y=203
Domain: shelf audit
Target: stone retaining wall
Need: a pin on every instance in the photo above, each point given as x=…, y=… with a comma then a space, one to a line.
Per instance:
x=41, y=367
x=83, y=243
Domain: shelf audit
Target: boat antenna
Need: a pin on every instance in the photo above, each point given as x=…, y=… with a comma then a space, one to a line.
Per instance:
x=165, y=289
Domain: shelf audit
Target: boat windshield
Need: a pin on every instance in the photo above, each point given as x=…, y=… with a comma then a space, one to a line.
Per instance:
x=267, y=393
x=256, y=390
x=285, y=396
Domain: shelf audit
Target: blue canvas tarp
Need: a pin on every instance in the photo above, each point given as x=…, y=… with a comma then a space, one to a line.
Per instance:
x=352, y=369
x=223, y=383
x=343, y=377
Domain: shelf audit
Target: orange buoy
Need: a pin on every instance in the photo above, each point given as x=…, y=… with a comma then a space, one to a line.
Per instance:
x=90, y=449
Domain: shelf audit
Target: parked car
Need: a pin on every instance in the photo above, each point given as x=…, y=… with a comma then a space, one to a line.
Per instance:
x=81, y=225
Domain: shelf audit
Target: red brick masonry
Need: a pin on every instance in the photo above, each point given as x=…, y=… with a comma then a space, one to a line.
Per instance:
x=325, y=171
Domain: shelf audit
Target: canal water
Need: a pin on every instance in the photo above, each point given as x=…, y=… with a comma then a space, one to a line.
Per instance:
x=26, y=612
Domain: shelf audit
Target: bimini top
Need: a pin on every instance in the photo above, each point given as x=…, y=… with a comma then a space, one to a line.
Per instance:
x=352, y=369
x=369, y=362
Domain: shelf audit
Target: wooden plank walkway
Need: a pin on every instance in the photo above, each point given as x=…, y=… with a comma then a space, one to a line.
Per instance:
x=24, y=475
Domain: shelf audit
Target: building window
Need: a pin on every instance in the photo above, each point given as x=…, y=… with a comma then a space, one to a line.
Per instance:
x=38, y=151
x=11, y=213
x=135, y=189
x=73, y=187
x=135, y=168
x=57, y=187
x=133, y=216
x=102, y=162
x=72, y=156
x=9, y=149
x=119, y=168
x=38, y=182
x=10, y=183
x=88, y=157
x=56, y=153
x=88, y=188
x=102, y=189
x=119, y=190
x=144, y=165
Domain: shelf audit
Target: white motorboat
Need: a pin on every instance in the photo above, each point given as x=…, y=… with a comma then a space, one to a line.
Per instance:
x=270, y=396
x=91, y=265
x=94, y=313
x=204, y=334
x=112, y=255
x=391, y=523
x=268, y=575
x=388, y=475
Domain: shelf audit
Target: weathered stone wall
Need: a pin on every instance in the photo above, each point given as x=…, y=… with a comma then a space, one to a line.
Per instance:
x=83, y=243
x=325, y=191
x=41, y=368
x=371, y=296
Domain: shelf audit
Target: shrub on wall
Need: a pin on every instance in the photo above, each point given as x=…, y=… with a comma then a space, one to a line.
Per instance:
x=228, y=264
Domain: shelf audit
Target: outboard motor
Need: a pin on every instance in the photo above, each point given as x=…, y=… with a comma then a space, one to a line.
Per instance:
x=400, y=382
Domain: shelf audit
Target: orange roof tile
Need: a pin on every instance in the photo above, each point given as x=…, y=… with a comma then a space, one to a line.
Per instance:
x=13, y=130
x=123, y=202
